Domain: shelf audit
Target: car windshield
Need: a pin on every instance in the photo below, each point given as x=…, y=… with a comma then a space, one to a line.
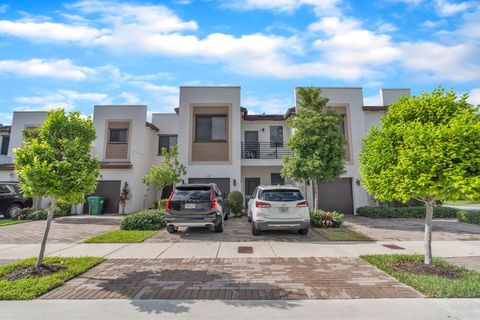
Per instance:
x=281, y=195
x=202, y=193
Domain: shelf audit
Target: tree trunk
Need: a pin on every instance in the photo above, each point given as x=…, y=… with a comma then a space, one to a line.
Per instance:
x=36, y=202
x=159, y=196
x=428, y=229
x=45, y=234
x=315, y=193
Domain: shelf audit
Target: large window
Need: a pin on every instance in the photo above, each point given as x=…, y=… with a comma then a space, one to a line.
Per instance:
x=276, y=136
x=277, y=179
x=166, y=141
x=5, y=142
x=210, y=128
x=118, y=136
x=342, y=126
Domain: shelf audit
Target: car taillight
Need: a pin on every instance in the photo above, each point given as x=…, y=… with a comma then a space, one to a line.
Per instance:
x=302, y=204
x=167, y=205
x=213, y=201
x=261, y=204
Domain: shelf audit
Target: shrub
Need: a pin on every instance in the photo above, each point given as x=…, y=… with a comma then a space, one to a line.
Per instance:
x=406, y=212
x=469, y=216
x=235, y=201
x=64, y=207
x=144, y=220
x=326, y=219
x=40, y=214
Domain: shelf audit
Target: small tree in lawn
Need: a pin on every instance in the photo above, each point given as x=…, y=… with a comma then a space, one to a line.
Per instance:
x=427, y=148
x=56, y=162
x=317, y=143
x=167, y=173
x=125, y=195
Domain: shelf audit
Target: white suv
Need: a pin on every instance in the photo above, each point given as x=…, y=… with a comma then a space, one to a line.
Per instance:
x=278, y=208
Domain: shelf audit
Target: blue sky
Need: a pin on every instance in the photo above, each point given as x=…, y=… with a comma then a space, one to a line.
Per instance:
x=75, y=54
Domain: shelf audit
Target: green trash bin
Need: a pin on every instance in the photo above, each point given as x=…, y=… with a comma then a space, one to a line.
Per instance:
x=95, y=205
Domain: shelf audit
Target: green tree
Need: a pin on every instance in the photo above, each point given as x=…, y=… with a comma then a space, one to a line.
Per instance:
x=56, y=162
x=167, y=173
x=427, y=148
x=317, y=143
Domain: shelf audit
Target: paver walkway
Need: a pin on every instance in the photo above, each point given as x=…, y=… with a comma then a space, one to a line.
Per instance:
x=235, y=230
x=63, y=230
x=234, y=279
x=412, y=229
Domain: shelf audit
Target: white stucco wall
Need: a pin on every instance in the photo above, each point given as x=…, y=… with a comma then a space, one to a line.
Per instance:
x=191, y=96
x=391, y=95
x=372, y=118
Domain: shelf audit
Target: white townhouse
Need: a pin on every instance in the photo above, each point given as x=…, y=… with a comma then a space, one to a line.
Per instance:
x=218, y=139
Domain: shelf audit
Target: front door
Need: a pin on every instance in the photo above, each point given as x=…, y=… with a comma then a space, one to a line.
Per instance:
x=250, y=185
x=252, y=147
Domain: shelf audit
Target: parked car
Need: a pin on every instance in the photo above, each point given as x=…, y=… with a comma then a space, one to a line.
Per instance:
x=278, y=208
x=196, y=205
x=11, y=199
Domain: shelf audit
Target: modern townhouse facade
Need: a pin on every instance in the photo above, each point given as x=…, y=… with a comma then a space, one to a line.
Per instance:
x=218, y=139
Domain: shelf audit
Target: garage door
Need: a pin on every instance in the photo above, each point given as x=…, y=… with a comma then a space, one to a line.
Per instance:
x=223, y=183
x=336, y=196
x=110, y=190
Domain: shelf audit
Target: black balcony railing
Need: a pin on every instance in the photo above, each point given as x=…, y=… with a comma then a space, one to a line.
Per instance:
x=264, y=150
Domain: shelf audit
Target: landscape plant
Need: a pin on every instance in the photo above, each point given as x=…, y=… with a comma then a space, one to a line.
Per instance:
x=125, y=195
x=152, y=219
x=317, y=144
x=56, y=163
x=235, y=202
x=427, y=148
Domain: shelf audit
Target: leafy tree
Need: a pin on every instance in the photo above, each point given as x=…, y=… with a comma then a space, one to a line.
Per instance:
x=317, y=143
x=56, y=162
x=427, y=148
x=167, y=173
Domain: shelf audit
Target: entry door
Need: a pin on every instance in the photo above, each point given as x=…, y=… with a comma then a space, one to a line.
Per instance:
x=252, y=147
x=250, y=185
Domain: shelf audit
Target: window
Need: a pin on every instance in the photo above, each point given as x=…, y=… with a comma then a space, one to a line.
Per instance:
x=276, y=136
x=211, y=128
x=277, y=179
x=5, y=142
x=5, y=189
x=281, y=195
x=342, y=126
x=118, y=136
x=166, y=142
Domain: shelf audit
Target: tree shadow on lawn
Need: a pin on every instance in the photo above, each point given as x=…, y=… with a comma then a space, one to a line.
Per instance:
x=174, y=291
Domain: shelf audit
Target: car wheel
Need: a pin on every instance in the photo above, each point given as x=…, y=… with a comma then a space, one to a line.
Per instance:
x=255, y=230
x=303, y=232
x=227, y=216
x=249, y=219
x=172, y=229
x=13, y=208
x=219, y=227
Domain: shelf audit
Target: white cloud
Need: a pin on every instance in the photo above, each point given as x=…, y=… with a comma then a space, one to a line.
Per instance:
x=474, y=97
x=372, y=100
x=271, y=105
x=42, y=31
x=6, y=118
x=61, y=69
x=129, y=98
x=446, y=8
x=321, y=7
x=433, y=24
x=61, y=98
x=387, y=27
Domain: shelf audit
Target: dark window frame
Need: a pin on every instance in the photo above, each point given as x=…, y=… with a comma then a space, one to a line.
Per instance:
x=117, y=129
x=210, y=116
x=168, y=136
x=4, y=147
x=274, y=144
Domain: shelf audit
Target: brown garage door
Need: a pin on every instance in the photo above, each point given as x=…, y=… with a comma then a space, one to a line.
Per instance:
x=110, y=190
x=336, y=196
x=223, y=183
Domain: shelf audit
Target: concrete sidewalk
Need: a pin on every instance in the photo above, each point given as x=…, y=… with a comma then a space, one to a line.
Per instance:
x=265, y=249
x=371, y=309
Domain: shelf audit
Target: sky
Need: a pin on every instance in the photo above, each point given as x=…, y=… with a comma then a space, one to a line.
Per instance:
x=74, y=54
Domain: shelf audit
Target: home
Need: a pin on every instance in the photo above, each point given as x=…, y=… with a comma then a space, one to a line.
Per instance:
x=219, y=141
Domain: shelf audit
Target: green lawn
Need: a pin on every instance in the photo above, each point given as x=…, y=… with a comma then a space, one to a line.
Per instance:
x=31, y=287
x=466, y=286
x=122, y=236
x=8, y=222
x=342, y=234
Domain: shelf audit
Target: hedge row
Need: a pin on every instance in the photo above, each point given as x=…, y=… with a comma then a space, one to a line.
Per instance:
x=469, y=216
x=406, y=212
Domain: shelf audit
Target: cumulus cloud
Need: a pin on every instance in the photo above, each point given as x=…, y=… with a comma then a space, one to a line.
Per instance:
x=474, y=97
x=321, y=7
x=446, y=8
x=61, y=69
x=61, y=98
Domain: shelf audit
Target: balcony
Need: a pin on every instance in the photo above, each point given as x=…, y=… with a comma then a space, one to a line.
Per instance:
x=264, y=150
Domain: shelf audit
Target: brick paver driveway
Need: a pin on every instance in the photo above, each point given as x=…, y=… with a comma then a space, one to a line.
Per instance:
x=235, y=230
x=63, y=230
x=227, y=279
x=412, y=229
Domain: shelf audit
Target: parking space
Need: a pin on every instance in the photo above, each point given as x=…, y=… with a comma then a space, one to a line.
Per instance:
x=63, y=230
x=412, y=229
x=236, y=230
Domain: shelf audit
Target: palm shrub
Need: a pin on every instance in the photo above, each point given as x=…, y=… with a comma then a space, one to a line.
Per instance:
x=326, y=219
x=235, y=201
